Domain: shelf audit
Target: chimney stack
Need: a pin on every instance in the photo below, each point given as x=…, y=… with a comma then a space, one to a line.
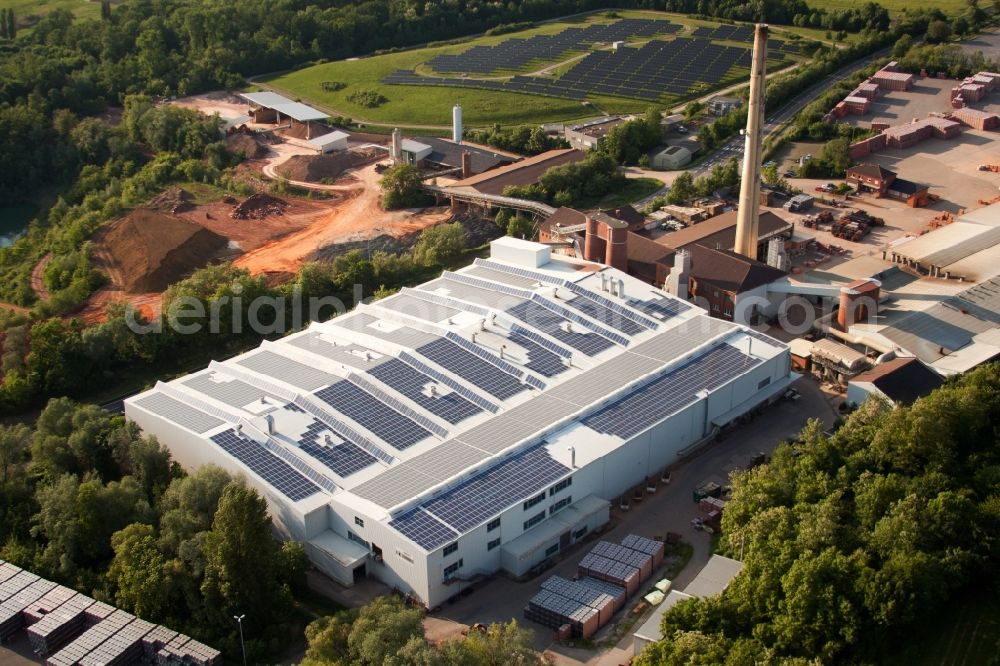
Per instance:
x=677, y=281
x=467, y=165
x=748, y=216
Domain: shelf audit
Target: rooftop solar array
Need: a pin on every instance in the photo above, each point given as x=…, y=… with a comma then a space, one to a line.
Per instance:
x=472, y=368
x=418, y=387
x=662, y=397
x=515, y=53
x=541, y=318
x=389, y=425
x=423, y=529
x=343, y=458
x=278, y=474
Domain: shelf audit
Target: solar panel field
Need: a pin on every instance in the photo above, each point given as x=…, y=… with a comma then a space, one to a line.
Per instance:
x=557, y=71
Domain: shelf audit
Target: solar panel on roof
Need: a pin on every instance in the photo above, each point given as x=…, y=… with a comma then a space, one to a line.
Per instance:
x=343, y=458
x=660, y=398
x=535, y=315
x=279, y=474
x=416, y=386
x=389, y=425
x=487, y=494
x=540, y=359
x=471, y=368
x=423, y=529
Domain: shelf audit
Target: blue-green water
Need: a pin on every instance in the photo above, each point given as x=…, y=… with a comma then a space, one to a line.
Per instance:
x=13, y=221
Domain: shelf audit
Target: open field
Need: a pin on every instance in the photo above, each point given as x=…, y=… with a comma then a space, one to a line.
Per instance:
x=896, y=6
x=431, y=105
x=24, y=10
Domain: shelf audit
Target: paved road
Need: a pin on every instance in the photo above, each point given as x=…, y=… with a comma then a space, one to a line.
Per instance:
x=734, y=147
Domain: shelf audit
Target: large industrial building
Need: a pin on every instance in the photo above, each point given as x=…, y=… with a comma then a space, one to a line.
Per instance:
x=480, y=422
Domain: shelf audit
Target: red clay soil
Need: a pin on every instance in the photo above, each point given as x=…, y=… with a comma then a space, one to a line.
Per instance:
x=146, y=251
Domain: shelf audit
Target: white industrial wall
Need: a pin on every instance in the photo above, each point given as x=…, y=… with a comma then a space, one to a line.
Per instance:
x=192, y=451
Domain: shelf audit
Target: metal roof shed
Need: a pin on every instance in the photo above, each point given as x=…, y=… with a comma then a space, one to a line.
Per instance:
x=328, y=143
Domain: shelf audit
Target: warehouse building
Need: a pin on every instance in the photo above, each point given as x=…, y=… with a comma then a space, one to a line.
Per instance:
x=671, y=157
x=898, y=381
x=589, y=135
x=524, y=172
x=275, y=109
x=477, y=423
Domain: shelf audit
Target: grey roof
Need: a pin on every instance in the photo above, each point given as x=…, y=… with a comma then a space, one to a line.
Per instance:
x=285, y=106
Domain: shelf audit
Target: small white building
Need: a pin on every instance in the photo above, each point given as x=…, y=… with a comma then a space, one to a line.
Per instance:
x=331, y=142
x=414, y=152
x=671, y=158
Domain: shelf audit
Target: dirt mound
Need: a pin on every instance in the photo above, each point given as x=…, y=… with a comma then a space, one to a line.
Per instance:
x=174, y=200
x=246, y=144
x=257, y=207
x=324, y=168
x=150, y=250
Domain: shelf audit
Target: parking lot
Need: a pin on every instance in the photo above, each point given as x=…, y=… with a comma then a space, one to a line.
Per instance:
x=669, y=509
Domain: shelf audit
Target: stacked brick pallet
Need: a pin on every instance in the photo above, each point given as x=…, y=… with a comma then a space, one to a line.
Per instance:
x=654, y=549
x=616, y=592
x=554, y=610
x=603, y=568
x=603, y=603
x=59, y=626
x=71, y=629
x=11, y=619
x=618, y=553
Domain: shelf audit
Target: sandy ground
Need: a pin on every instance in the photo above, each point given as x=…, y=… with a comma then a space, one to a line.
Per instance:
x=359, y=217
x=225, y=104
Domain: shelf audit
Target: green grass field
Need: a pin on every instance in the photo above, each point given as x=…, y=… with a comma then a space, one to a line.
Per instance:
x=896, y=6
x=431, y=105
x=24, y=10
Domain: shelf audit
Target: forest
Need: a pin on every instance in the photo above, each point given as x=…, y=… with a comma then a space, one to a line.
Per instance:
x=853, y=543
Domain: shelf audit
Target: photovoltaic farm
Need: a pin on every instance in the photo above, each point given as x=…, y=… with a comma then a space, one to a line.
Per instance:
x=552, y=72
x=652, y=71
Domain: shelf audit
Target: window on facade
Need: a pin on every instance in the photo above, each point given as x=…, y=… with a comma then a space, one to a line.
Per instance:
x=359, y=522
x=356, y=539
x=493, y=544
x=561, y=504
x=534, y=520
x=580, y=532
x=764, y=382
x=406, y=556
x=552, y=550
x=533, y=501
x=493, y=524
x=452, y=568
x=562, y=485
x=450, y=548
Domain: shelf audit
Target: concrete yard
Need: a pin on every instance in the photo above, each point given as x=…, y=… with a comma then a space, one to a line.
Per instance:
x=988, y=43
x=669, y=509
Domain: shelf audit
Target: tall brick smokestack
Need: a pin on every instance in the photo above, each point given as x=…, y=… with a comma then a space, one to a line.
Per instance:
x=748, y=217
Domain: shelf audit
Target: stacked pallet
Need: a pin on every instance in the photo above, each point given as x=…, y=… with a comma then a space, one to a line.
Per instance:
x=616, y=592
x=155, y=641
x=619, y=553
x=554, y=610
x=57, y=628
x=11, y=619
x=52, y=600
x=96, y=613
x=603, y=568
x=200, y=654
x=91, y=639
x=603, y=603
x=648, y=546
x=123, y=647
x=16, y=583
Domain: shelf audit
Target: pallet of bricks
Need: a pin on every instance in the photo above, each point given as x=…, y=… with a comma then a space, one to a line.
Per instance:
x=603, y=568
x=185, y=651
x=59, y=624
x=554, y=610
x=13, y=601
x=603, y=603
x=619, y=553
x=651, y=547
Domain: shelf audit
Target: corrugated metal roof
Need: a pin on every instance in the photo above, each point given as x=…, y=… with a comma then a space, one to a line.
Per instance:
x=285, y=106
x=327, y=139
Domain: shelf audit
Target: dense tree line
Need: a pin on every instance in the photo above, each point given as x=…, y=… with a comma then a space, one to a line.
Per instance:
x=850, y=541
x=573, y=183
x=523, y=139
x=387, y=633
x=89, y=502
x=630, y=142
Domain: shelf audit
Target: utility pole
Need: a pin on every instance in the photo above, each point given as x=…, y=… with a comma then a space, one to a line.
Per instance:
x=243, y=647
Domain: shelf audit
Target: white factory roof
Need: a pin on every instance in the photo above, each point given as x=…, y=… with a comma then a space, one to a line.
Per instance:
x=436, y=408
x=968, y=235
x=296, y=110
x=326, y=139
